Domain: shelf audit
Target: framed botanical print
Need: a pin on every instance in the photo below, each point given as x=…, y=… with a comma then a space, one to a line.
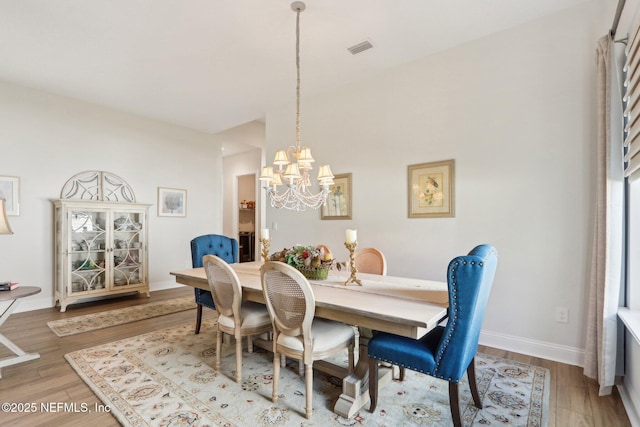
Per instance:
x=338, y=205
x=172, y=202
x=10, y=191
x=431, y=188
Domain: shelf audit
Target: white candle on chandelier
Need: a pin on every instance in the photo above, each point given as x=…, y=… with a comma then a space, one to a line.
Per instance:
x=352, y=236
x=265, y=233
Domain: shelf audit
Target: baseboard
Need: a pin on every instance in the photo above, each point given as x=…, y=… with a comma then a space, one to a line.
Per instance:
x=161, y=286
x=630, y=403
x=545, y=350
x=33, y=303
x=38, y=302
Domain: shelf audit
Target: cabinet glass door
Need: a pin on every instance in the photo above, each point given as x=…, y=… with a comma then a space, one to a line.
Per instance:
x=87, y=250
x=127, y=248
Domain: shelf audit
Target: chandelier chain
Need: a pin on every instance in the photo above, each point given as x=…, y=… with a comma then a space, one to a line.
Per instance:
x=298, y=78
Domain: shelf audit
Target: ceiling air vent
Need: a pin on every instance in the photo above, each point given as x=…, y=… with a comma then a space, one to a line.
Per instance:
x=360, y=47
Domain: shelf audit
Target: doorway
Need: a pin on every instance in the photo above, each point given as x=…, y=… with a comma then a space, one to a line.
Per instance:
x=246, y=217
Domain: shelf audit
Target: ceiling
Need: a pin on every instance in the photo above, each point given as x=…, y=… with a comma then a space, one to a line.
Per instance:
x=215, y=64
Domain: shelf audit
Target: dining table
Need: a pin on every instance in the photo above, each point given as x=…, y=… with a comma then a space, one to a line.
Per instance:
x=404, y=306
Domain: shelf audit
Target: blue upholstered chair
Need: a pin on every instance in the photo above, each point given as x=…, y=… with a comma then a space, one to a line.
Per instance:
x=447, y=351
x=210, y=244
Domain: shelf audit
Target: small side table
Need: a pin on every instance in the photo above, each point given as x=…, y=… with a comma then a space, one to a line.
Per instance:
x=14, y=296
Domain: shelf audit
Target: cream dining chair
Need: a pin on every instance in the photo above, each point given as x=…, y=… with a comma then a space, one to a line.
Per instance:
x=296, y=332
x=235, y=317
x=371, y=260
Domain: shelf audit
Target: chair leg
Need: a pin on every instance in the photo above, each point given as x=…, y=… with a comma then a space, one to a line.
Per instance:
x=308, y=380
x=402, y=371
x=239, y=359
x=471, y=374
x=454, y=403
x=276, y=377
x=373, y=384
x=250, y=344
x=218, y=349
x=198, y=318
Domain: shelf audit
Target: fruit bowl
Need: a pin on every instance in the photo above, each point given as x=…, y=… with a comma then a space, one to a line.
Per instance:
x=314, y=273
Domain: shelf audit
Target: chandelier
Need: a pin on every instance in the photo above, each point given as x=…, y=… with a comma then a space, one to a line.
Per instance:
x=289, y=186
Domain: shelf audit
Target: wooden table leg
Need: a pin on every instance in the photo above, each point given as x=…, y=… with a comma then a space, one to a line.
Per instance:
x=355, y=386
x=20, y=355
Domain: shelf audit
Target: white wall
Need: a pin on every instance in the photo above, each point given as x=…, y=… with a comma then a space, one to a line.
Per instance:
x=46, y=139
x=242, y=164
x=515, y=110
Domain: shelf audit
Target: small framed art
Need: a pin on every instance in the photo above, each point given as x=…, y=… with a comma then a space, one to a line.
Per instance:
x=10, y=191
x=172, y=202
x=431, y=188
x=338, y=205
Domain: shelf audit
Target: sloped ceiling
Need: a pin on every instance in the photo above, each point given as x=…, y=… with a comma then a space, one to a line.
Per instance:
x=215, y=64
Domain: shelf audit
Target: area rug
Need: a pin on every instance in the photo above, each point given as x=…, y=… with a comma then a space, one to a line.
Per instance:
x=105, y=319
x=165, y=378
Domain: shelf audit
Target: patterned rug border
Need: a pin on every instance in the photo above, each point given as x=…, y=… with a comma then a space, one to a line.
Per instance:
x=106, y=319
x=538, y=413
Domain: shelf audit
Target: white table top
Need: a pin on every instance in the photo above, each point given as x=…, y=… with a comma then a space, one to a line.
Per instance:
x=404, y=306
x=19, y=292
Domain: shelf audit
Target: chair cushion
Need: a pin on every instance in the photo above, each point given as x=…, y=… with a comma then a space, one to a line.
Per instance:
x=417, y=355
x=326, y=335
x=253, y=315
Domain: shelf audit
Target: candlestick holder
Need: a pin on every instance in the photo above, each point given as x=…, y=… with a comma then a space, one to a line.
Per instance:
x=352, y=262
x=265, y=249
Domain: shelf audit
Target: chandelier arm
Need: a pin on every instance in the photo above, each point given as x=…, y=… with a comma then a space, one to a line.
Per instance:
x=293, y=151
x=295, y=199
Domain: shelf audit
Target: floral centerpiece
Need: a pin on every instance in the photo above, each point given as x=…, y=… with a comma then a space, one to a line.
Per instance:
x=312, y=261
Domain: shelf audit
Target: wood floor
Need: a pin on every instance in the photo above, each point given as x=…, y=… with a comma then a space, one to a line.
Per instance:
x=46, y=384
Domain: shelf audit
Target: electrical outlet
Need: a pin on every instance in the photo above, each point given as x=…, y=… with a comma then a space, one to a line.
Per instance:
x=562, y=315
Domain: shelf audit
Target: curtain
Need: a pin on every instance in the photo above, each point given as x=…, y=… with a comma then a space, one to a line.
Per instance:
x=607, y=265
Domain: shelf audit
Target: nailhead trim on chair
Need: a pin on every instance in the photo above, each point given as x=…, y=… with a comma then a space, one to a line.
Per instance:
x=455, y=309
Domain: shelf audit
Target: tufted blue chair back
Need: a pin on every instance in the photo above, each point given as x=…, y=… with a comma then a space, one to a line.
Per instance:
x=213, y=244
x=210, y=244
x=469, y=280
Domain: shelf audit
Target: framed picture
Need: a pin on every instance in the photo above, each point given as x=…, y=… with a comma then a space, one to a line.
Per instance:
x=172, y=202
x=338, y=204
x=431, y=190
x=10, y=191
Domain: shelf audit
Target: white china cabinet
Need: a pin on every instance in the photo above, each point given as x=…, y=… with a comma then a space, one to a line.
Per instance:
x=100, y=246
